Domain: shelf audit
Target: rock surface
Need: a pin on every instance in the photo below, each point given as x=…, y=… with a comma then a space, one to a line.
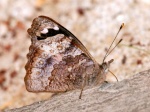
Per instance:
x=130, y=95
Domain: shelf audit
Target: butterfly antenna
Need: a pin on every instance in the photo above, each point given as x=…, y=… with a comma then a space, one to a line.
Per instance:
x=114, y=47
x=113, y=75
x=107, y=53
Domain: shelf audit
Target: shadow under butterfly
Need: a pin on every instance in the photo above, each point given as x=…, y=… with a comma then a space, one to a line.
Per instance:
x=59, y=62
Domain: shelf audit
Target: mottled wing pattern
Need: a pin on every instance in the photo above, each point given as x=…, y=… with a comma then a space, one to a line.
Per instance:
x=57, y=60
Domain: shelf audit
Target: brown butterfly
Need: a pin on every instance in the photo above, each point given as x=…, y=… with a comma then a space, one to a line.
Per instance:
x=58, y=61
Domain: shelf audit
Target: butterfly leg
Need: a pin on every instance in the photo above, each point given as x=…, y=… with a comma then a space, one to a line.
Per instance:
x=83, y=85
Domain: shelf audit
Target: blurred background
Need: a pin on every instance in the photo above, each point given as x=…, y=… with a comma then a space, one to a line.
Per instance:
x=94, y=22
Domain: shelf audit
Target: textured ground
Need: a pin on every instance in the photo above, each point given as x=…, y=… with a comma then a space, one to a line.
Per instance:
x=94, y=22
x=125, y=96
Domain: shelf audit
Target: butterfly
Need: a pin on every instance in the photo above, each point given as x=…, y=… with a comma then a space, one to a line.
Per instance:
x=58, y=61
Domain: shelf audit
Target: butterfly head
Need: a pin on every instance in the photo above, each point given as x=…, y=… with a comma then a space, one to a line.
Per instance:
x=105, y=66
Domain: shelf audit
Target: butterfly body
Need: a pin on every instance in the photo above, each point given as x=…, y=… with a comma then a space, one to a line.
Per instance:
x=58, y=61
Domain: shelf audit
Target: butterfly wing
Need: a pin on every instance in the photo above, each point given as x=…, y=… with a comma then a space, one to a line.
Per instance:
x=57, y=60
x=75, y=40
